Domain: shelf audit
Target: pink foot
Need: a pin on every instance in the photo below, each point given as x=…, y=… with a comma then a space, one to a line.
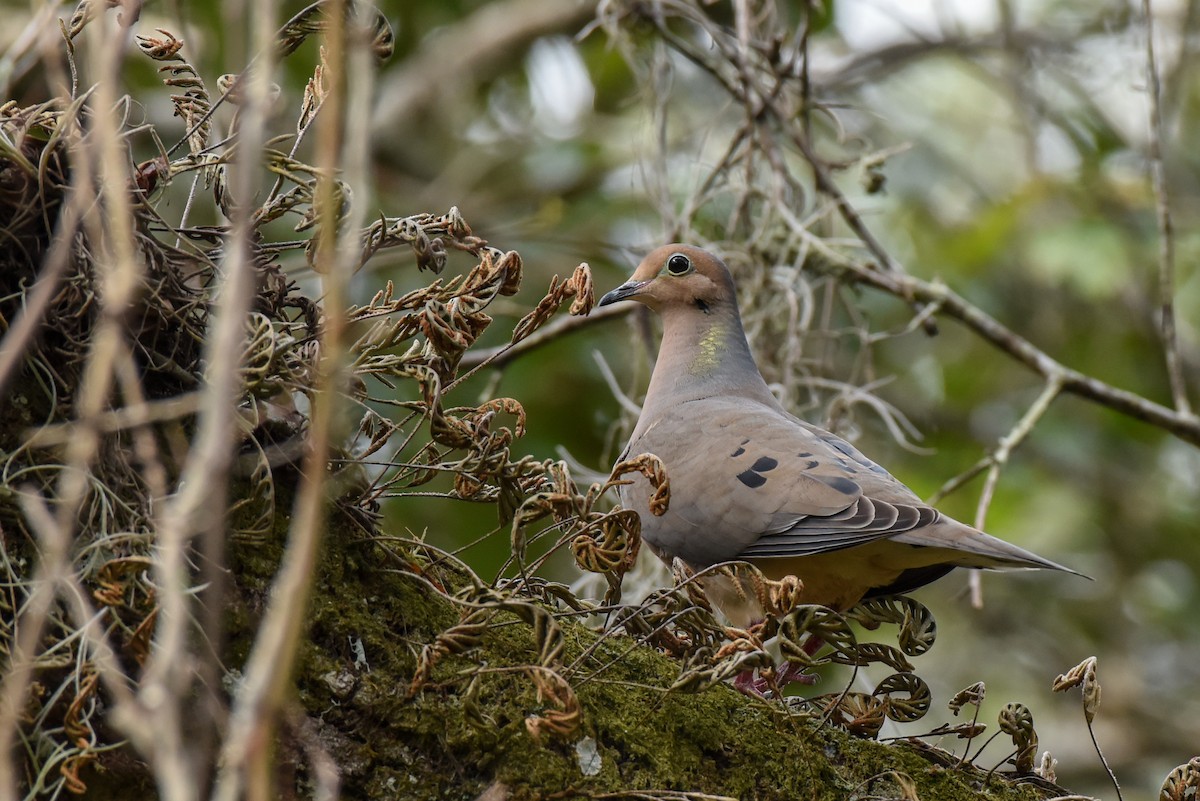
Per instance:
x=787, y=673
x=746, y=684
x=790, y=672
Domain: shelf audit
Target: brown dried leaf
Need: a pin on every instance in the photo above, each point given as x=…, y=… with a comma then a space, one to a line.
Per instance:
x=867, y=653
x=1017, y=721
x=457, y=639
x=562, y=721
x=578, y=286
x=609, y=544
x=163, y=49
x=1182, y=783
x=655, y=472
x=905, y=709
x=973, y=695
x=783, y=595
x=815, y=620
x=507, y=406
x=862, y=715
x=1084, y=675
x=963, y=731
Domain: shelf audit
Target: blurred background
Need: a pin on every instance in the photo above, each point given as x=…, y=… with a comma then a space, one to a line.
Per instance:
x=1002, y=148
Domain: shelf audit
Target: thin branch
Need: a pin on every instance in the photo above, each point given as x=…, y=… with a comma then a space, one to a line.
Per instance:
x=625, y=402
x=14, y=345
x=246, y=767
x=1180, y=422
x=1011, y=440
x=999, y=458
x=140, y=413
x=1166, y=237
x=1186, y=426
x=503, y=354
x=153, y=725
x=1112, y=776
x=29, y=621
x=960, y=480
x=177, y=680
x=1183, y=424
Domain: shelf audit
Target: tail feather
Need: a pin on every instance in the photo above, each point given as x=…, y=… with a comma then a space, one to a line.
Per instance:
x=969, y=547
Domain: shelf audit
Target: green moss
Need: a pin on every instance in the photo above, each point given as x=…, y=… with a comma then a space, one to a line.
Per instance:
x=441, y=743
x=390, y=745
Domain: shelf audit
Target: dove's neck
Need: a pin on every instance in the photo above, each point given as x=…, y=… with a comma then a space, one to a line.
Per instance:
x=703, y=354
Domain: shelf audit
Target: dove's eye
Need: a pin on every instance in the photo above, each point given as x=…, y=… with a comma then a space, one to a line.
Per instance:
x=679, y=264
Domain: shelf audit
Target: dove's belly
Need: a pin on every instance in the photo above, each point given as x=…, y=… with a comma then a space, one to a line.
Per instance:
x=838, y=580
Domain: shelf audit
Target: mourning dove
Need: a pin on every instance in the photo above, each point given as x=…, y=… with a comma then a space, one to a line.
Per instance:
x=751, y=482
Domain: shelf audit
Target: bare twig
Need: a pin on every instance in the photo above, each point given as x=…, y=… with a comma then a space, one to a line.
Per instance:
x=757, y=101
x=171, y=670
x=1166, y=236
x=13, y=347
x=246, y=763
x=627, y=403
x=247, y=744
x=28, y=626
x=1011, y=440
x=503, y=354
x=999, y=458
x=109, y=224
x=1184, y=425
x=120, y=419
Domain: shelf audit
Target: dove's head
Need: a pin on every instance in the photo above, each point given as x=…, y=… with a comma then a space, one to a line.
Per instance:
x=704, y=352
x=676, y=277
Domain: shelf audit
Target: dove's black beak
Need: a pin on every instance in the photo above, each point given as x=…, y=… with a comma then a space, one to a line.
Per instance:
x=623, y=292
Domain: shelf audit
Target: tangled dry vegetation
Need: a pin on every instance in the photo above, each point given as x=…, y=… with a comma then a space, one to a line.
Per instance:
x=172, y=397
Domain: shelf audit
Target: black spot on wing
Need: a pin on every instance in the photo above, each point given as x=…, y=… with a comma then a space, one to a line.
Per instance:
x=764, y=463
x=846, y=449
x=803, y=455
x=811, y=464
x=751, y=479
x=738, y=452
x=840, y=444
x=840, y=483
